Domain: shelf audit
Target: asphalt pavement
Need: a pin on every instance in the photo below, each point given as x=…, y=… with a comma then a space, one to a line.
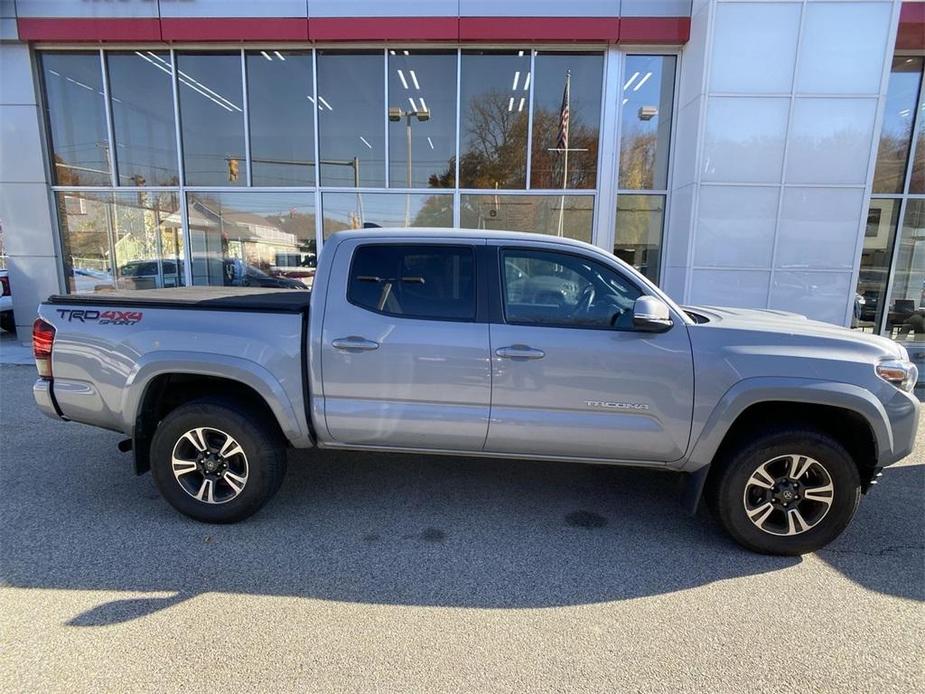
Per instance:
x=380, y=573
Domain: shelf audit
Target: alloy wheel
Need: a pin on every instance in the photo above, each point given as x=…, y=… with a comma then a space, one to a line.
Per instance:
x=788, y=495
x=209, y=465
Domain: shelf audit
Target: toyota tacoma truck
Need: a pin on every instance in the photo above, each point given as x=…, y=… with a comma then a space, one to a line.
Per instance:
x=475, y=343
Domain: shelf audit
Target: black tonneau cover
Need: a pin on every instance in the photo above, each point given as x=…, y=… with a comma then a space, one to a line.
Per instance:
x=201, y=298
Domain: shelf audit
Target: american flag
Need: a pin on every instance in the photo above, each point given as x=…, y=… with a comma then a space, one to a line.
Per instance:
x=562, y=136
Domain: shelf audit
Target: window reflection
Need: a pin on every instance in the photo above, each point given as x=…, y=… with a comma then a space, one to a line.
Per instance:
x=898, y=118
x=566, y=118
x=422, y=119
x=354, y=210
x=494, y=110
x=648, y=95
x=141, y=95
x=212, y=118
x=120, y=240
x=253, y=239
x=76, y=118
x=350, y=118
x=279, y=99
x=570, y=216
x=879, y=234
x=638, y=238
x=917, y=179
x=906, y=316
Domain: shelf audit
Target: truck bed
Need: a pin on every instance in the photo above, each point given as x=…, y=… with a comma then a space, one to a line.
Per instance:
x=254, y=299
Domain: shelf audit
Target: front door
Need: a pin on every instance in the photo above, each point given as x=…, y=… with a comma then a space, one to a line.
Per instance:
x=405, y=362
x=571, y=377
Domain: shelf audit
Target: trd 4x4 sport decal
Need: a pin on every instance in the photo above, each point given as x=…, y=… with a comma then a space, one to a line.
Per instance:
x=109, y=317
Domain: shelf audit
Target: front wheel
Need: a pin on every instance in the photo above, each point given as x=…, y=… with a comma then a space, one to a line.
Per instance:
x=788, y=492
x=216, y=461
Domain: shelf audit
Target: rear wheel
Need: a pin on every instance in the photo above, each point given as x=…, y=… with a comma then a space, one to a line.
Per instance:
x=217, y=461
x=788, y=492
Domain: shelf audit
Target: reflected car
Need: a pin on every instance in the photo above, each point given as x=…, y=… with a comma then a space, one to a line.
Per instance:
x=6, y=303
x=241, y=274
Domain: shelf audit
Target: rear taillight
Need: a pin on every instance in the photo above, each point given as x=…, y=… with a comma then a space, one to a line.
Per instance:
x=5, y=285
x=43, y=337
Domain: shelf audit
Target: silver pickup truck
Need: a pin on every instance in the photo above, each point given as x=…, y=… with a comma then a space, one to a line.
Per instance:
x=484, y=344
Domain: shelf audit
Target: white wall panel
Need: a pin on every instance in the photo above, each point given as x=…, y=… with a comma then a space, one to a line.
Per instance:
x=842, y=47
x=735, y=226
x=743, y=140
x=16, y=75
x=677, y=232
x=20, y=145
x=32, y=279
x=70, y=8
x=819, y=295
x=819, y=227
x=26, y=214
x=754, y=48
x=830, y=140
x=743, y=288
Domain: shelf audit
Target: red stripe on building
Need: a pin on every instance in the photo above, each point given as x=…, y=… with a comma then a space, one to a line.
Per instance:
x=657, y=30
x=88, y=29
x=539, y=29
x=911, y=33
x=234, y=29
x=641, y=30
x=383, y=28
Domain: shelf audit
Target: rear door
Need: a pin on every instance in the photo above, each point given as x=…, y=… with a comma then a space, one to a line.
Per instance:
x=405, y=357
x=571, y=377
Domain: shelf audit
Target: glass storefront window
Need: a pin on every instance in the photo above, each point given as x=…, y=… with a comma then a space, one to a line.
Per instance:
x=212, y=118
x=906, y=317
x=638, y=238
x=648, y=97
x=565, y=149
x=422, y=119
x=494, y=118
x=353, y=210
x=141, y=98
x=879, y=235
x=76, y=112
x=120, y=240
x=898, y=119
x=252, y=239
x=351, y=114
x=280, y=94
x=570, y=216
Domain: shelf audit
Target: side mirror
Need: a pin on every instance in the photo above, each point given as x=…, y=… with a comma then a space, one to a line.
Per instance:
x=650, y=314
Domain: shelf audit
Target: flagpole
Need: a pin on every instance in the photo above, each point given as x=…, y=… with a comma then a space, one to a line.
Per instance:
x=568, y=96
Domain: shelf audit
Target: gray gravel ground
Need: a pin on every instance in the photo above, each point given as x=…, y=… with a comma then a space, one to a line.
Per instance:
x=401, y=574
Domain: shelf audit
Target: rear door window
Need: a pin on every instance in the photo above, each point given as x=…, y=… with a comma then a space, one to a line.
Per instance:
x=435, y=282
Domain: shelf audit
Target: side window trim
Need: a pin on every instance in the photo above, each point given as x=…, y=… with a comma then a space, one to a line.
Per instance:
x=502, y=293
x=476, y=316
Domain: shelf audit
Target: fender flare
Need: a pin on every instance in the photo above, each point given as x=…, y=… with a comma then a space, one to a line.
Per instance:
x=753, y=391
x=246, y=372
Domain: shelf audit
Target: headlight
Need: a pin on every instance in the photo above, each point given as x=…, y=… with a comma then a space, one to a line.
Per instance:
x=901, y=373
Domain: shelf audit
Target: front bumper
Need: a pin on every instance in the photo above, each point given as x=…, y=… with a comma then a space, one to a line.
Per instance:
x=45, y=399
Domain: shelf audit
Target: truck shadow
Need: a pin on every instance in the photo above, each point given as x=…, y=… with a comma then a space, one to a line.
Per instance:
x=403, y=530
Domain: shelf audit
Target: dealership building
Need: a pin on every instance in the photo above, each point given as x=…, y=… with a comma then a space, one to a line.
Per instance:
x=749, y=153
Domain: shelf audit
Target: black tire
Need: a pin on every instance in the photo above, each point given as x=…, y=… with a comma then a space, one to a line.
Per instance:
x=729, y=483
x=262, y=446
x=7, y=322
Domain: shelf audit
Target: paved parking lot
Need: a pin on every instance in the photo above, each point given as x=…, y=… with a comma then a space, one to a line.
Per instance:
x=399, y=574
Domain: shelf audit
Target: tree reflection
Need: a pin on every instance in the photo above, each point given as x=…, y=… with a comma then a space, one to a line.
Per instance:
x=495, y=154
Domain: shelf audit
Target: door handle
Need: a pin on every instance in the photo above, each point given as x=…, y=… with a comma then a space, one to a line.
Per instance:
x=520, y=352
x=354, y=343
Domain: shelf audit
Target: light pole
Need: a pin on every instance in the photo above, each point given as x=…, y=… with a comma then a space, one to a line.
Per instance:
x=395, y=115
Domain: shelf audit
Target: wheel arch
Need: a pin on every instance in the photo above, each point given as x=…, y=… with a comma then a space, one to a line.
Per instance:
x=850, y=414
x=159, y=387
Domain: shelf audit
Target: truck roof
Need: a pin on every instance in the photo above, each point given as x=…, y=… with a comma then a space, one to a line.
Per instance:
x=457, y=232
